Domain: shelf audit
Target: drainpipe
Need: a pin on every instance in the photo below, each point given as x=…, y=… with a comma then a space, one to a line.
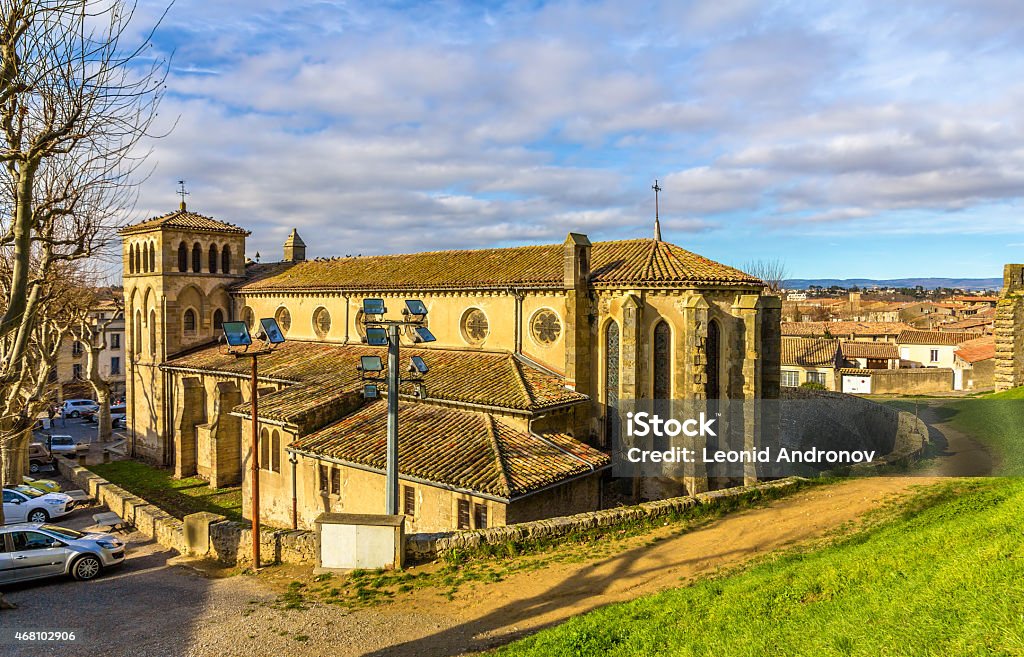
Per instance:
x=518, y=318
x=345, y=297
x=293, y=458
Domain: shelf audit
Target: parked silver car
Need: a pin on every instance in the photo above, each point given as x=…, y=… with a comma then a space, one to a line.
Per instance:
x=33, y=551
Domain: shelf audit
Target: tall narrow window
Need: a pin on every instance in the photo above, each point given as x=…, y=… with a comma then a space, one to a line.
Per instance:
x=480, y=516
x=218, y=319
x=662, y=362
x=197, y=258
x=182, y=257
x=462, y=519
x=131, y=259
x=325, y=478
x=152, y=332
x=264, y=463
x=137, y=334
x=137, y=257
x=225, y=260
x=335, y=480
x=145, y=258
x=409, y=500
x=213, y=259
x=152, y=257
x=611, y=382
x=190, y=321
x=714, y=358
x=275, y=451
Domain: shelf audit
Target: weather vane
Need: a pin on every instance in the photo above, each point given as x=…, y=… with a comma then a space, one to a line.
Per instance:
x=182, y=193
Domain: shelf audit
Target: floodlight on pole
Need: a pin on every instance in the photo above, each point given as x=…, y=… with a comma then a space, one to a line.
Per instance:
x=237, y=336
x=382, y=332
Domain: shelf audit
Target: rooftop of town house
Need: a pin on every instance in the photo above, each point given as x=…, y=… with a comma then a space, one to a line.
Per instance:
x=843, y=328
x=944, y=338
x=853, y=349
x=809, y=352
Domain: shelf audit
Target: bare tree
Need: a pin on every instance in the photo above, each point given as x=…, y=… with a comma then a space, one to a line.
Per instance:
x=76, y=99
x=772, y=272
x=92, y=333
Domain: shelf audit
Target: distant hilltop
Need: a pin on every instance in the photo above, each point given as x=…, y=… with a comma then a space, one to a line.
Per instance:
x=926, y=283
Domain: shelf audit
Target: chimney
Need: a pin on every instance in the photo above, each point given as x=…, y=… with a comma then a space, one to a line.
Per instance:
x=576, y=261
x=294, y=247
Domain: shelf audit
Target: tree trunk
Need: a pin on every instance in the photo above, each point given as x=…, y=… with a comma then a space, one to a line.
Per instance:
x=14, y=457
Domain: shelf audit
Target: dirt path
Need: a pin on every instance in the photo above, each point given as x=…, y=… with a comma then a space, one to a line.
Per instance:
x=426, y=624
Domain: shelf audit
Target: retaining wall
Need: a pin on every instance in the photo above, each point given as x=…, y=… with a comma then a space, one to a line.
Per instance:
x=230, y=542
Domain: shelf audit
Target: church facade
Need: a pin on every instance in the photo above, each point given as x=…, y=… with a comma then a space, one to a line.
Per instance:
x=534, y=346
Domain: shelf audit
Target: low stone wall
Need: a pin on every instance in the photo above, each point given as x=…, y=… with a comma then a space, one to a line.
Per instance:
x=907, y=381
x=426, y=547
x=230, y=542
x=148, y=519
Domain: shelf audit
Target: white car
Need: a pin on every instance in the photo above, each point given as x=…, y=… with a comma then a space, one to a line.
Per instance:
x=26, y=504
x=33, y=551
x=79, y=407
x=66, y=445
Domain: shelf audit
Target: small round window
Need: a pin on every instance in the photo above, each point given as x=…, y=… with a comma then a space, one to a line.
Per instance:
x=322, y=322
x=545, y=327
x=284, y=319
x=474, y=326
x=360, y=324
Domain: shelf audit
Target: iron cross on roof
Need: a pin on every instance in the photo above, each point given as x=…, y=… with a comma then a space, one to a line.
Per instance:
x=657, y=222
x=182, y=193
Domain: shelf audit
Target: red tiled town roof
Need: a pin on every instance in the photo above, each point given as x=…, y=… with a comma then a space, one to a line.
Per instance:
x=843, y=328
x=809, y=352
x=978, y=349
x=459, y=449
x=853, y=349
x=637, y=262
x=946, y=338
x=185, y=220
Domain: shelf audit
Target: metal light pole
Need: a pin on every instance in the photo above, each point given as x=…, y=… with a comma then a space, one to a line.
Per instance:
x=254, y=468
x=388, y=332
x=237, y=335
x=391, y=485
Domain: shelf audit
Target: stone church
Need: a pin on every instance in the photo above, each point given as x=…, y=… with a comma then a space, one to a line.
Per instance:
x=534, y=345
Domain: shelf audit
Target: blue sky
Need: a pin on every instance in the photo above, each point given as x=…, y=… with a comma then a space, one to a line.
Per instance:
x=847, y=141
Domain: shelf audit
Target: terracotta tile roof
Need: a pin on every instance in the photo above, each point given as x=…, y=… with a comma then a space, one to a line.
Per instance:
x=461, y=449
x=949, y=338
x=971, y=323
x=853, y=349
x=328, y=371
x=185, y=220
x=978, y=299
x=809, y=352
x=633, y=262
x=843, y=328
x=978, y=349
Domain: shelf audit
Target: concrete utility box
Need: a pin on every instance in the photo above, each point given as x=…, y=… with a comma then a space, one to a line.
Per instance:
x=356, y=540
x=197, y=531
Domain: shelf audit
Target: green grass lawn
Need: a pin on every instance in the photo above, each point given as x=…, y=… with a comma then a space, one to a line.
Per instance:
x=944, y=577
x=179, y=497
x=997, y=420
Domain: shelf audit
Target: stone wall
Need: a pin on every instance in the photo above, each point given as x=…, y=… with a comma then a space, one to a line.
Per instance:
x=1009, y=330
x=426, y=547
x=907, y=381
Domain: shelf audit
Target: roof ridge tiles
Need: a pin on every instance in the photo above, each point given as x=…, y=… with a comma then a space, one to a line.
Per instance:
x=499, y=457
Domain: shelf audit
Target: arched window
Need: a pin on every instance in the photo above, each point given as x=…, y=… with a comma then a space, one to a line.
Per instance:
x=264, y=462
x=190, y=321
x=611, y=382
x=662, y=361
x=152, y=257
x=137, y=334
x=275, y=451
x=152, y=332
x=714, y=359
x=218, y=319
x=249, y=318
x=145, y=258
x=197, y=258
x=213, y=259
x=225, y=260
x=182, y=257
x=131, y=259
x=138, y=259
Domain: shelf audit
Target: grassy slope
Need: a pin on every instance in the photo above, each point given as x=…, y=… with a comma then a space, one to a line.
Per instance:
x=179, y=497
x=943, y=577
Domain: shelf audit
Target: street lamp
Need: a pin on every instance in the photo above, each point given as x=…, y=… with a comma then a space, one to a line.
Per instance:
x=236, y=334
x=381, y=332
